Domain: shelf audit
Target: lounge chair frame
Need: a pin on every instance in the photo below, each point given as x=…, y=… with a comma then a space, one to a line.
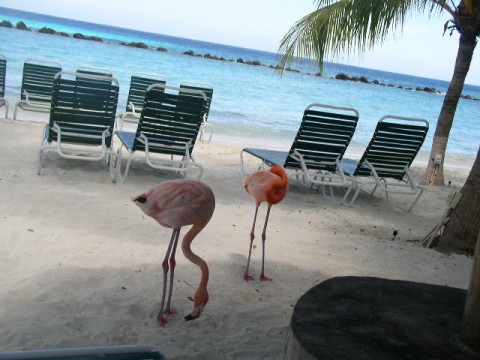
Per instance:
x=139, y=83
x=315, y=154
x=208, y=90
x=168, y=127
x=37, y=83
x=120, y=352
x=3, y=71
x=392, y=149
x=81, y=118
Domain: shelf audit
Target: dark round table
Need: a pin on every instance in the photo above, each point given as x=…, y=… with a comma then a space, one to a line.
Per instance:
x=365, y=318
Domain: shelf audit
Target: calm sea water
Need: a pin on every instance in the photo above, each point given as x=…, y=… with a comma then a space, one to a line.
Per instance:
x=252, y=105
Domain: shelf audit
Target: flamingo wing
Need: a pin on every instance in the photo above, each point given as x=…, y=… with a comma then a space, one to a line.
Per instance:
x=179, y=203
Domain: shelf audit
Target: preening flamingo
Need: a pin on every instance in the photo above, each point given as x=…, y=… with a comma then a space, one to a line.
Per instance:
x=270, y=186
x=174, y=204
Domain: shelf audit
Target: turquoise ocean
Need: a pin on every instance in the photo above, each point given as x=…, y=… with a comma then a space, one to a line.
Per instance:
x=252, y=105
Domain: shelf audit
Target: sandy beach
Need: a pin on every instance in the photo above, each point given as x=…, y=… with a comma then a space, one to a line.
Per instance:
x=81, y=264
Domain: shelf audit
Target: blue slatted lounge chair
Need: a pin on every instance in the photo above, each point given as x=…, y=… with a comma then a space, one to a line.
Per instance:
x=139, y=82
x=386, y=161
x=315, y=154
x=120, y=352
x=37, y=82
x=208, y=90
x=82, y=117
x=3, y=70
x=167, y=130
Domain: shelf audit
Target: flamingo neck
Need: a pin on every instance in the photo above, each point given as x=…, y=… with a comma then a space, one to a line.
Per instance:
x=194, y=258
x=279, y=187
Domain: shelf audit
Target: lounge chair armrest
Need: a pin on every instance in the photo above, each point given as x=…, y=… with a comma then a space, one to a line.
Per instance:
x=374, y=172
x=106, y=133
x=298, y=157
x=131, y=105
x=144, y=140
x=31, y=98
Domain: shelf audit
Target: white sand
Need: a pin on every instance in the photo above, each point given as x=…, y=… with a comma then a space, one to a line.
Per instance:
x=80, y=264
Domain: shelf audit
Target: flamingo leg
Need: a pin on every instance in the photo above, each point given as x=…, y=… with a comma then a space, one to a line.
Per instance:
x=160, y=318
x=247, y=277
x=264, y=237
x=172, y=262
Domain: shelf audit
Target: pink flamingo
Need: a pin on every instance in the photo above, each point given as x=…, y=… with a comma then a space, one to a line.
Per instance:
x=174, y=204
x=270, y=186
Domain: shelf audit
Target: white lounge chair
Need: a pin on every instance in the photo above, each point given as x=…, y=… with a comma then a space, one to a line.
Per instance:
x=167, y=130
x=3, y=70
x=82, y=117
x=386, y=161
x=315, y=154
x=37, y=83
x=139, y=82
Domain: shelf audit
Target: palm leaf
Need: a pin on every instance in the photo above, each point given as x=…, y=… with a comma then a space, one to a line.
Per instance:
x=347, y=26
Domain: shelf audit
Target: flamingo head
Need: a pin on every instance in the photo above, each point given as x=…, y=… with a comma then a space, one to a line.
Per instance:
x=141, y=202
x=140, y=199
x=200, y=300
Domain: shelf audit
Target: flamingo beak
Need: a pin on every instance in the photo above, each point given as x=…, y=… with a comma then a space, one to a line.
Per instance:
x=195, y=314
x=191, y=317
x=142, y=199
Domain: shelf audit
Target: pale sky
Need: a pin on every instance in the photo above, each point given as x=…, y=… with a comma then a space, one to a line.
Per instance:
x=421, y=49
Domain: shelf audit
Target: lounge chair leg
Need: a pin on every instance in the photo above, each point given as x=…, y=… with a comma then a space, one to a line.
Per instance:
x=416, y=199
x=112, y=167
x=15, y=112
x=40, y=162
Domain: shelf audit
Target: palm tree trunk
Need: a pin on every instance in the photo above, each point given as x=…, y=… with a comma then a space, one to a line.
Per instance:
x=461, y=231
x=470, y=333
x=434, y=172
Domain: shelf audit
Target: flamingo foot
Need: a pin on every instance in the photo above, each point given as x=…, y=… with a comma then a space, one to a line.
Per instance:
x=171, y=311
x=247, y=277
x=161, y=320
x=265, y=278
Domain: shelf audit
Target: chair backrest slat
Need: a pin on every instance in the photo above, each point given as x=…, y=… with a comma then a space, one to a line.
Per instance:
x=394, y=145
x=104, y=73
x=37, y=79
x=3, y=70
x=139, y=82
x=323, y=136
x=205, y=87
x=85, y=104
x=170, y=119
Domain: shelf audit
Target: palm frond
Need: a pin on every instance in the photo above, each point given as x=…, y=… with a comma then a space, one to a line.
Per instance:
x=347, y=26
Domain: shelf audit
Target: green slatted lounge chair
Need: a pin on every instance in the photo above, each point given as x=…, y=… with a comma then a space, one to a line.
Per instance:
x=315, y=154
x=120, y=352
x=37, y=82
x=105, y=73
x=82, y=117
x=139, y=82
x=387, y=159
x=208, y=90
x=94, y=70
x=3, y=70
x=166, y=132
